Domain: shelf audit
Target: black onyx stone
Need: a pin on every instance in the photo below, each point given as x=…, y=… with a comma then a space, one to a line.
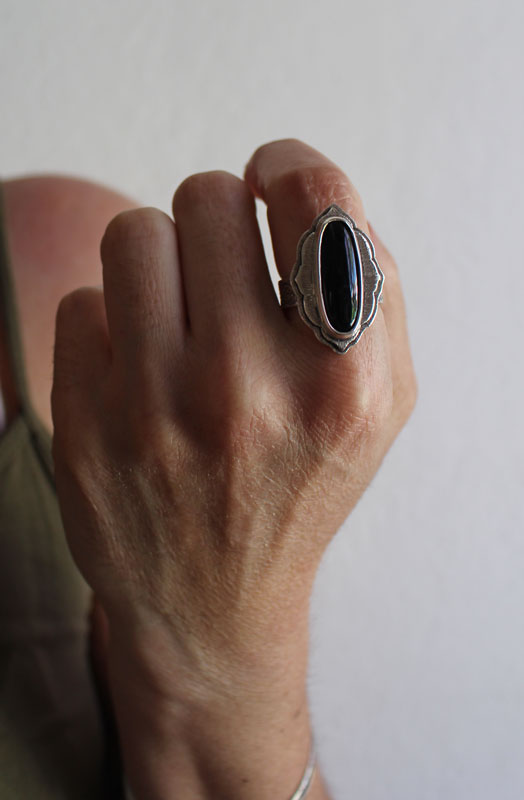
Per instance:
x=340, y=275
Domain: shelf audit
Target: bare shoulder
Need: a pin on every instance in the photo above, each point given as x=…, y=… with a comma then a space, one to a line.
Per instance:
x=54, y=224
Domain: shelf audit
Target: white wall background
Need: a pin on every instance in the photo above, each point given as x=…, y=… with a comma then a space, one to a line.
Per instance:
x=417, y=670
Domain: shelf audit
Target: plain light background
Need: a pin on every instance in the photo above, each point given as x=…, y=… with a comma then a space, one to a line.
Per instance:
x=417, y=658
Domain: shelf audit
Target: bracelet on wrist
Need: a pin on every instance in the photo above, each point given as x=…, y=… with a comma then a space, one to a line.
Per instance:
x=307, y=778
x=299, y=794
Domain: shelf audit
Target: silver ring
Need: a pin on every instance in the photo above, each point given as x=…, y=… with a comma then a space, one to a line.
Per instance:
x=336, y=282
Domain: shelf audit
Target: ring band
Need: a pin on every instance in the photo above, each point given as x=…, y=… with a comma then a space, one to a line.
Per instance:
x=336, y=282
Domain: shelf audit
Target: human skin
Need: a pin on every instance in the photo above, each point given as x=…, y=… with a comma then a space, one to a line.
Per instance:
x=53, y=227
x=207, y=448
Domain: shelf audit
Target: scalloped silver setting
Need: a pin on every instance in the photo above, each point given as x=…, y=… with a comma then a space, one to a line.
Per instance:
x=304, y=286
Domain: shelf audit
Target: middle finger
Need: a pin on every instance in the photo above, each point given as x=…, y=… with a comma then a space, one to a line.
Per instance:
x=228, y=288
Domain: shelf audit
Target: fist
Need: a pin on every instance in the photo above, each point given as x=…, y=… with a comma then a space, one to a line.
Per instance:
x=207, y=446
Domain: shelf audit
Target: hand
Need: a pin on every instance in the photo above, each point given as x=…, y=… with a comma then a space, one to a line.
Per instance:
x=207, y=446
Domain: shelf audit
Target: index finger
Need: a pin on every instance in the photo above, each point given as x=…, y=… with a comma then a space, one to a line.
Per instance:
x=297, y=183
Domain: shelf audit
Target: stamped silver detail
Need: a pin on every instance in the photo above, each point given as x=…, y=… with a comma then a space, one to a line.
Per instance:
x=304, y=286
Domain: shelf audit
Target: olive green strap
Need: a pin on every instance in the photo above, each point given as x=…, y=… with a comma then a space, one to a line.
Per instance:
x=9, y=311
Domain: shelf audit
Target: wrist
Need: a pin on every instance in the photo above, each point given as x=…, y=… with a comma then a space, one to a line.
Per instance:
x=212, y=665
x=311, y=783
x=245, y=734
x=235, y=755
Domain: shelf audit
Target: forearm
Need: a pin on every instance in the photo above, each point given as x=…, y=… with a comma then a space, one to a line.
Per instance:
x=180, y=742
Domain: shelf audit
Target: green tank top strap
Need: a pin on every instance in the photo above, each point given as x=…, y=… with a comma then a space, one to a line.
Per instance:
x=9, y=309
x=57, y=739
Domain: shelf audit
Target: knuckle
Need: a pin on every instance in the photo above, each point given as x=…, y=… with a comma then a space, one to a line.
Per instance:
x=76, y=331
x=316, y=187
x=248, y=402
x=69, y=308
x=205, y=188
x=137, y=226
x=260, y=431
x=269, y=147
x=80, y=302
x=373, y=409
x=255, y=430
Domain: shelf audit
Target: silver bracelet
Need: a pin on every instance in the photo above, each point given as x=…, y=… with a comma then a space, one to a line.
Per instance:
x=307, y=779
x=299, y=794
